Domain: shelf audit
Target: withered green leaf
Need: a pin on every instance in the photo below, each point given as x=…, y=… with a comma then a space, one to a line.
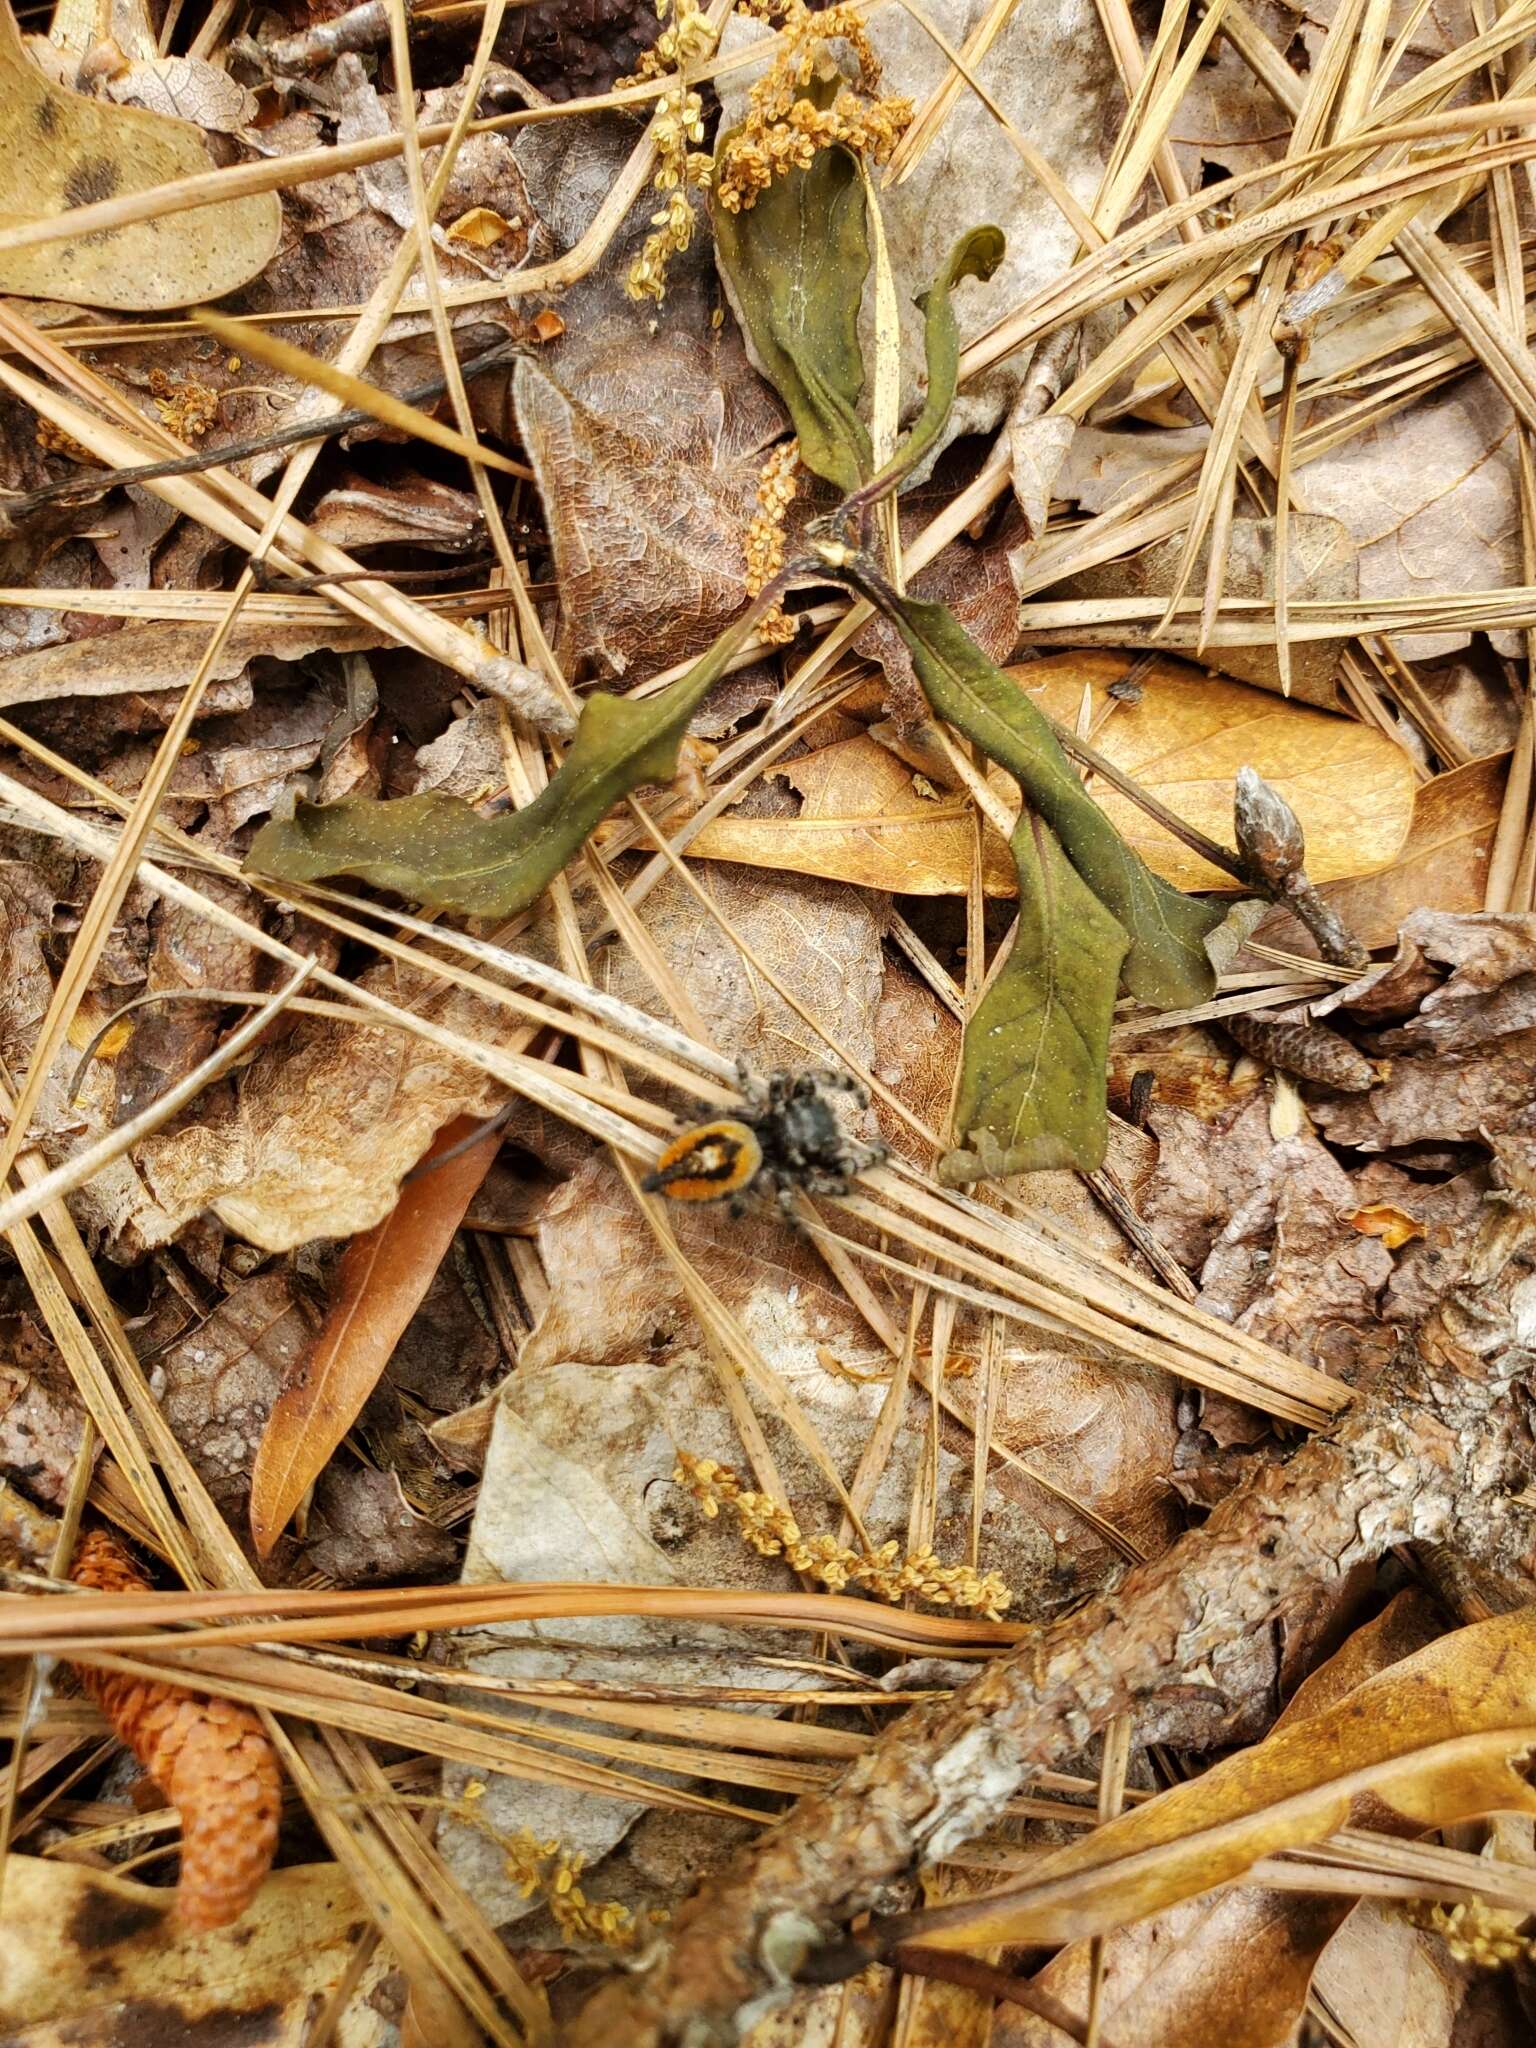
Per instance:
x=438, y=850
x=795, y=265
x=1167, y=964
x=976, y=254
x=1032, y=1081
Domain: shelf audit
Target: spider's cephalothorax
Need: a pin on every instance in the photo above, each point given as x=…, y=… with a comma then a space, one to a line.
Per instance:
x=784, y=1135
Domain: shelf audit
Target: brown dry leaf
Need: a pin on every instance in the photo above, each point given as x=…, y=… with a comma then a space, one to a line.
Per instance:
x=320, y=1134
x=865, y=820
x=1385, y=1984
x=221, y=1377
x=90, y=1959
x=1492, y=986
x=648, y=452
x=378, y=1287
x=1234, y=1967
x=1436, y=1738
x=1442, y=864
x=143, y=658
x=60, y=150
x=362, y=1531
x=1288, y=1266
x=1431, y=496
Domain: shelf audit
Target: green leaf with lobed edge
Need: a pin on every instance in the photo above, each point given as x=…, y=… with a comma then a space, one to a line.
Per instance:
x=976, y=254
x=438, y=850
x=1167, y=964
x=794, y=265
x=1032, y=1080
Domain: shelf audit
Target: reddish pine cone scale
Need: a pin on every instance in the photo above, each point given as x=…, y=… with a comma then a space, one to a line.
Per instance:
x=210, y=1757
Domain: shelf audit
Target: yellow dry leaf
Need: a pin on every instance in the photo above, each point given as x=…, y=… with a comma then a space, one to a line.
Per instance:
x=1436, y=1737
x=92, y=1958
x=1188, y=735
x=863, y=819
x=60, y=150
x=482, y=228
x=1385, y=1220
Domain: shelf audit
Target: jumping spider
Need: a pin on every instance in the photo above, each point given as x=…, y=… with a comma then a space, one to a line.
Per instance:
x=785, y=1135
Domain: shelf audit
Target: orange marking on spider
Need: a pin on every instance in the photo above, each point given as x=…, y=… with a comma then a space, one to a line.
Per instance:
x=707, y=1163
x=785, y=1137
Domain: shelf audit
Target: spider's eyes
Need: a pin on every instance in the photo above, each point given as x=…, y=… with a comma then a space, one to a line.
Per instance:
x=708, y=1162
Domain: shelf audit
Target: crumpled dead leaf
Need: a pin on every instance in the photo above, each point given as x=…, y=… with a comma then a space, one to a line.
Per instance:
x=318, y=1139
x=59, y=149
x=648, y=452
x=1289, y=1267
x=88, y=1955
x=1205, y=1166
x=1444, y=1098
x=1491, y=990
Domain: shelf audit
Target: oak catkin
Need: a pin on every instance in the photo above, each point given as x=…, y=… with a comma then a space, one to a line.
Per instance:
x=210, y=1757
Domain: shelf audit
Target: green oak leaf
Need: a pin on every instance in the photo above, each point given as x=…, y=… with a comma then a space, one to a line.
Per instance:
x=795, y=264
x=1167, y=964
x=1031, y=1092
x=438, y=850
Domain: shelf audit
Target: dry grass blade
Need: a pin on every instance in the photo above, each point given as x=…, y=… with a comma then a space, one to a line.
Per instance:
x=249, y=340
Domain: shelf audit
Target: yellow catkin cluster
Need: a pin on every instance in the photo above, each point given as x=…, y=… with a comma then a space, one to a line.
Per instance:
x=772, y=1531
x=679, y=121
x=784, y=129
x=552, y=1873
x=56, y=442
x=189, y=409
x=776, y=489
x=1485, y=1936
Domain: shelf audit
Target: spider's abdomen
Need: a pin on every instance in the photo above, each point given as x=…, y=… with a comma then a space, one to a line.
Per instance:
x=707, y=1163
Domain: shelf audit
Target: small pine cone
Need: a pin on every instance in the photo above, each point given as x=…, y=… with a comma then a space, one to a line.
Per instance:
x=1311, y=1050
x=210, y=1757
